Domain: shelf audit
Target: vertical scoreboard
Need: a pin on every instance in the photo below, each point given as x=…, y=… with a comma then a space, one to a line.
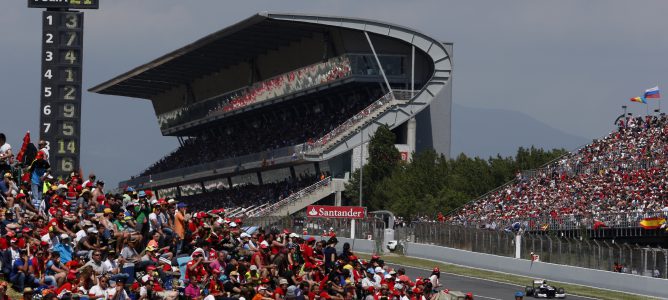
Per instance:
x=61, y=76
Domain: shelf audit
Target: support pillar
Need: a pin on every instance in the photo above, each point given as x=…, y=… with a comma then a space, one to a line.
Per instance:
x=337, y=198
x=410, y=137
x=518, y=246
x=293, y=173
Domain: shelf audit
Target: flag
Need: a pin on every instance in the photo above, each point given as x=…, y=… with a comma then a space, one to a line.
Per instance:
x=652, y=93
x=652, y=223
x=598, y=225
x=26, y=141
x=639, y=100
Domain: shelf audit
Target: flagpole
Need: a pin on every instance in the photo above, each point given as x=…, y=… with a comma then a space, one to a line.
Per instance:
x=657, y=85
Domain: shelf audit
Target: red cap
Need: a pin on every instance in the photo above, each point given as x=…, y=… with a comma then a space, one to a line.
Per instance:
x=43, y=243
x=13, y=240
x=150, y=268
x=237, y=220
x=89, y=184
x=311, y=239
x=20, y=195
x=286, y=231
x=26, y=229
x=10, y=233
x=375, y=257
x=325, y=295
x=263, y=246
x=416, y=291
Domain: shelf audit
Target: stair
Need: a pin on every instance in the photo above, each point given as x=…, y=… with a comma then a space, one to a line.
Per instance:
x=361, y=119
x=303, y=198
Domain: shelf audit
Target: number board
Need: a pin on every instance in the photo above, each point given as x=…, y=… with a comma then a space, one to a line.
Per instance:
x=60, y=113
x=74, y=4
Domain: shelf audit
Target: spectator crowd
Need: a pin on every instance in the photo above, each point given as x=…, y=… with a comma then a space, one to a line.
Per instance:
x=613, y=181
x=70, y=238
x=264, y=131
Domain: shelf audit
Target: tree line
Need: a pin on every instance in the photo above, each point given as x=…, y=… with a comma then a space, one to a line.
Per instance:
x=431, y=183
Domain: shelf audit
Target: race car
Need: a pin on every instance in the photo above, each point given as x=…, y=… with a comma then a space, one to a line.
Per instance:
x=540, y=289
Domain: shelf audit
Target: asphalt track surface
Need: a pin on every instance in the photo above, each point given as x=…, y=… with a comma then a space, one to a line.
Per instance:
x=481, y=289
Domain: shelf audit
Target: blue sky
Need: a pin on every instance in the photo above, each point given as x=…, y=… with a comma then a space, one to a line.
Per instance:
x=569, y=64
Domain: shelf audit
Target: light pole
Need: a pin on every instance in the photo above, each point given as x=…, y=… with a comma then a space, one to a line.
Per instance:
x=624, y=108
x=361, y=161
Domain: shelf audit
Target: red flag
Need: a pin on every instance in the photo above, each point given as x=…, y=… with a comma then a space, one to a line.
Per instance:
x=26, y=141
x=598, y=225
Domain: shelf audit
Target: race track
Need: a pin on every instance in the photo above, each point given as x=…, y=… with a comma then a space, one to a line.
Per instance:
x=482, y=289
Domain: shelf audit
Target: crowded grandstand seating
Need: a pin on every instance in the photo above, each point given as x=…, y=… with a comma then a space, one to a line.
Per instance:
x=616, y=180
x=248, y=195
x=272, y=129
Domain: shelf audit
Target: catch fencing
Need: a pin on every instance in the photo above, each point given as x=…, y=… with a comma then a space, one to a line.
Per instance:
x=563, y=250
x=572, y=251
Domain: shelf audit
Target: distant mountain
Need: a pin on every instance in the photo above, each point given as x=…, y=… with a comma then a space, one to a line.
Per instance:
x=488, y=132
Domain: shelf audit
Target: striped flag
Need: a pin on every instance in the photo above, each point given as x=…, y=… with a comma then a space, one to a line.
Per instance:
x=652, y=223
x=652, y=93
x=639, y=100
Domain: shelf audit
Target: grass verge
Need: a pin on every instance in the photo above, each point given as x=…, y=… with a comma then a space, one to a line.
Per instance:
x=571, y=289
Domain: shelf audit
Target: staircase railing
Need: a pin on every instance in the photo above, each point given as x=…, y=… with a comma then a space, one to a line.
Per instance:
x=362, y=118
x=293, y=198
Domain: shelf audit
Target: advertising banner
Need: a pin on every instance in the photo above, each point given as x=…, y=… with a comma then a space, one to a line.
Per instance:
x=340, y=212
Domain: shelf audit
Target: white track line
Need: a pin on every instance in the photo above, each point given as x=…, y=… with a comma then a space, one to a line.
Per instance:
x=485, y=297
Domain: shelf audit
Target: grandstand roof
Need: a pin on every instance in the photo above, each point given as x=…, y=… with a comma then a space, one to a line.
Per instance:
x=244, y=40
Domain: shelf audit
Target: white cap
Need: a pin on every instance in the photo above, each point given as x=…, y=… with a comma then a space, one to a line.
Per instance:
x=294, y=235
x=379, y=270
x=64, y=236
x=265, y=243
x=92, y=230
x=232, y=224
x=253, y=268
x=62, y=187
x=245, y=235
x=145, y=278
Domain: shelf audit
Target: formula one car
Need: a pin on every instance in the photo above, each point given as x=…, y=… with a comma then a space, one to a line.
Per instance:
x=540, y=289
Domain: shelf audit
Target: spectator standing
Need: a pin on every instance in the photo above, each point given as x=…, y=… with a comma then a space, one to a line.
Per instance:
x=5, y=155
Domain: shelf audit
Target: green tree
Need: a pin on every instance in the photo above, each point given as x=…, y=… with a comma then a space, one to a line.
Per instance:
x=383, y=160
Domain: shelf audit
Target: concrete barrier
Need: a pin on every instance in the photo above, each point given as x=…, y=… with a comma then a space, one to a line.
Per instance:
x=357, y=245
x=569, y=274
x=552, y=272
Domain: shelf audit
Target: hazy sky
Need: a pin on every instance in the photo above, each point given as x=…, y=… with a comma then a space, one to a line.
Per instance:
x=570, y=64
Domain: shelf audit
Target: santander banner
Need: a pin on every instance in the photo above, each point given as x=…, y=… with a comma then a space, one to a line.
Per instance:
x=340, y=212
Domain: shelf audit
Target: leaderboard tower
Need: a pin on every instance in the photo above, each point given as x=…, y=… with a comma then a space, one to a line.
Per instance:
x=62, y=68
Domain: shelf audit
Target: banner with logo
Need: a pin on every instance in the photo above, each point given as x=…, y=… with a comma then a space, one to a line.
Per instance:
x=337, y=212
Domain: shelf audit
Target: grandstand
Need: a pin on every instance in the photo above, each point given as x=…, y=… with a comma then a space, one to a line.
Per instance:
x=603, y=190
x=282, y=102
